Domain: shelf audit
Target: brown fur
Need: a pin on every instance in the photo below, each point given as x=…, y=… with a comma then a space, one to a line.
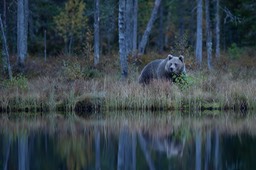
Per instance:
x=163, y=69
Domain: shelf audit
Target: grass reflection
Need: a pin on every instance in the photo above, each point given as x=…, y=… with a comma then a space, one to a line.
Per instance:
x=155, y=123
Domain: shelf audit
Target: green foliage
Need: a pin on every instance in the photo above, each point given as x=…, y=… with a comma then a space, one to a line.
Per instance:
x=71, y=23
x=183, y=81
x=19, y=81
x=234, y=52
x=73, y=70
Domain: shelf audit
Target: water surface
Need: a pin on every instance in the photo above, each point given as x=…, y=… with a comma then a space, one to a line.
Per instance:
x=127, y=141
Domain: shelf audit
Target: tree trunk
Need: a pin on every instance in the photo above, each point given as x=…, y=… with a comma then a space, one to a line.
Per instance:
x=151, y=21
x=208, y=35
x=135, y=26
x=7, y=59
x=217, y=30
x=4, y=27
x=199, y=33
x=21, y=32
x=26, y=13
x=45, y=52
x=4, y=14
x=122, y=43
x=128, y=26
x=96, y=33
x=166, y=38
x=181, y=19
x=70, y=44
x=161, y=29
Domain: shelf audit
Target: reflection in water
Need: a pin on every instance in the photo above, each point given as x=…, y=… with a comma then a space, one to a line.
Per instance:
x=23, y=157
x=198, y=149
x=97, y=148
x=153, y=143
x=216, y=155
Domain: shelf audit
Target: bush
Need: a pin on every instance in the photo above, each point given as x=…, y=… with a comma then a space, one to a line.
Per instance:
x=183, y=81
x=19, y=81
x=73, y=70
x=234, y=52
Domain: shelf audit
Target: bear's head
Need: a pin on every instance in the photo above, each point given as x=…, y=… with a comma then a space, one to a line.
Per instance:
x=175, y=64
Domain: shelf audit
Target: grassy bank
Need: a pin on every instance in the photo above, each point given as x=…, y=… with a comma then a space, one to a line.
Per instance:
x=204, y=92
x=71, y=87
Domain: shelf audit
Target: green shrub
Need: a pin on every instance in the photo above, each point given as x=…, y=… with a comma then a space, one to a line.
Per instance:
x=19, y=81
x=234, y=52
x=183, y=81
x=91, y=73
x=73, y=70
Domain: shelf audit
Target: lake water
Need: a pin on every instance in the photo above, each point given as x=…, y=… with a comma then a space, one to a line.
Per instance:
x=127, y=141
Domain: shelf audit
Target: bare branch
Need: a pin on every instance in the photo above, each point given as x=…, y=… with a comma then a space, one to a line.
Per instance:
x=230, y=17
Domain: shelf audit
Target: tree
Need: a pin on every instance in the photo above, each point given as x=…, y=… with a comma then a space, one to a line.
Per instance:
x=122, y=43
x=208, y=35
x=199, y=33
x=129, y=25
x=147, y=31
x=22, y=26
x=5, y=47
x=135, y=26
x=71, y=22
x=4, y=27
x=161, y=29
x=217, y=30
x=96, y=33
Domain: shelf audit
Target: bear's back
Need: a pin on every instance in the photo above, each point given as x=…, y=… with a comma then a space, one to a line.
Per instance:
x=150, y=71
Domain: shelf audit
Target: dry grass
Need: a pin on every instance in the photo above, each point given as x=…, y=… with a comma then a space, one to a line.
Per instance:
x=65, y=84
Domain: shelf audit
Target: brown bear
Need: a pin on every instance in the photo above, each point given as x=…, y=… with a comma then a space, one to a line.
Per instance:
x=166, y=69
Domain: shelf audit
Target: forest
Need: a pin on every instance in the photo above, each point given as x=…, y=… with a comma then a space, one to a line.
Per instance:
x=65, y=54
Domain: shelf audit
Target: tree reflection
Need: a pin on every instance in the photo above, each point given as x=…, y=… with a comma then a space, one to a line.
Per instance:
x=198, y=149
x=104, y=146
x=6, y=146
x=76, y=151
x=23, y=153
x=125, y=152
x=97, y=148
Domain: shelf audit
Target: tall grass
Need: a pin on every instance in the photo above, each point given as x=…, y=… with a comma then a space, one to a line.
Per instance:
x=204, y=91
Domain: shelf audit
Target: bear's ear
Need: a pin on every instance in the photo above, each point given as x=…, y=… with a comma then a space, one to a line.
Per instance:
x=181, y=57
x=169, y=56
